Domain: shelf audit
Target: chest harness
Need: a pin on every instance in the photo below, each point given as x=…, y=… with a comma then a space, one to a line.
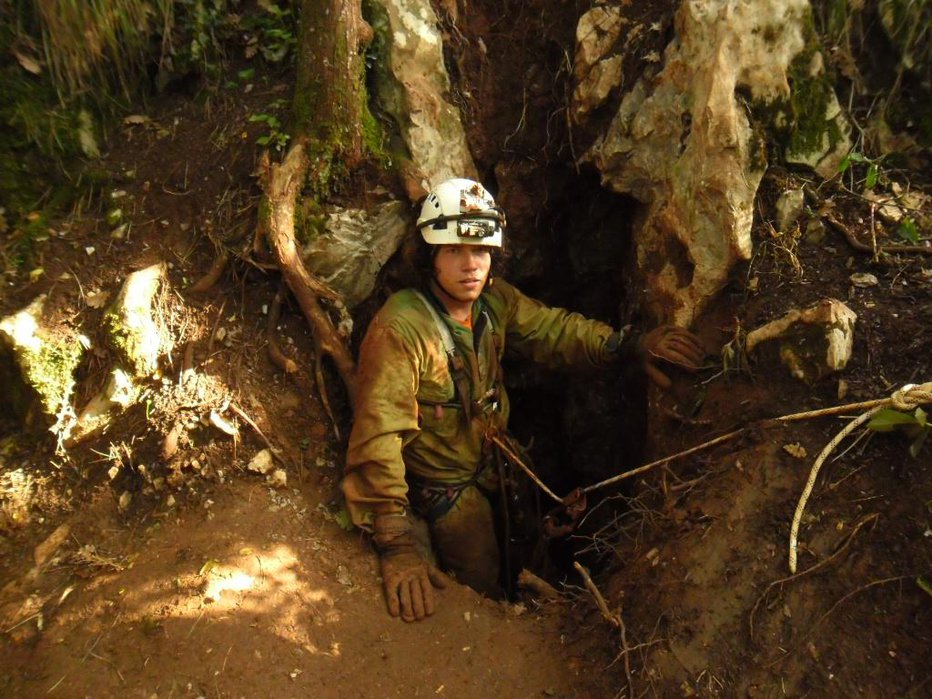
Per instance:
x=433, y=499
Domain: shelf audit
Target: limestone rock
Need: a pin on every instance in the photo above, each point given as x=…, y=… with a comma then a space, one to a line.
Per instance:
x=790, y=207
x=813, y=342
x=354, y=246
x=413, y=89
x=134, y=324
x=596, y=72
x=42, y=360
x=683, y=144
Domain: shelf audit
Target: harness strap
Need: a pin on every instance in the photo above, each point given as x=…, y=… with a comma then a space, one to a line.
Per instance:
x=457, y=365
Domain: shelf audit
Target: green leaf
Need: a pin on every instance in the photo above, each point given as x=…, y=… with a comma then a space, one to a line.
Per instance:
x=921, y=417
x=872, y=174
x=924, y=584
x=246, y=74
x=263, y=140
x=907, y=231
x=887, y=420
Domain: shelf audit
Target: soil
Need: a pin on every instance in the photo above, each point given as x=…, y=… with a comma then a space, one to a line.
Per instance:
x=134, y=565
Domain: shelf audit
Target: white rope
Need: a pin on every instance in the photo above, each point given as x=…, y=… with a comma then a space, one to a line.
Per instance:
x=905, y=399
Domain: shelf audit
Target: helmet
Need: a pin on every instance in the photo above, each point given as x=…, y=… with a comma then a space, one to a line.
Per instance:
x=461, y=212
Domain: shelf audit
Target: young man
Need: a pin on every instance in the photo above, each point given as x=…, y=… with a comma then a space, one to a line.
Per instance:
x=430, y=396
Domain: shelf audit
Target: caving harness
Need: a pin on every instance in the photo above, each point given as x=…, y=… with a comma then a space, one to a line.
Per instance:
x=501, y=453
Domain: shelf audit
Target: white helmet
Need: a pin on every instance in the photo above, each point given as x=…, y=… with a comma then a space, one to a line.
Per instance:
x=461, y=212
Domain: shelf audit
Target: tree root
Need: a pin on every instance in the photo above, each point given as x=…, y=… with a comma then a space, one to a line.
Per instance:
x=812, y=569
x=213, y=274
x=278, y=357
x=864, y=247
x=282, y=183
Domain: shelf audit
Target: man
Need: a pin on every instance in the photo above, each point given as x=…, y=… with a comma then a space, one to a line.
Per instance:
x=430, y=397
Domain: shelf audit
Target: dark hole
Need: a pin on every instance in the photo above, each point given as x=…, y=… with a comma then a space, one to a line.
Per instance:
x=582, y=427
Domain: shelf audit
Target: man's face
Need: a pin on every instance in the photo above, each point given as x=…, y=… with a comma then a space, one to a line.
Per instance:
x=462, y=270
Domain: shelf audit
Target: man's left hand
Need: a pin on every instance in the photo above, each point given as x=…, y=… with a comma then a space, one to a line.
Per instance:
x=669, y=343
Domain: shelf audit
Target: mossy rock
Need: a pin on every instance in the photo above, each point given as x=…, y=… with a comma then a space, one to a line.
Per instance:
x=38, y=365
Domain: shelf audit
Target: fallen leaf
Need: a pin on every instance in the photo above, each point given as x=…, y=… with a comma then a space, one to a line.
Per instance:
x=796, y=450
x=29, y=64
x=97, y=299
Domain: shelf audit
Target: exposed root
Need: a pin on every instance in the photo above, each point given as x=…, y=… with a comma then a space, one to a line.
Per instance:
x=278, y=357
x=212, y=275
x=281, y=183
x=249, y=421
x=540, y=587
x=873, y=250
x=813, y=569
x=322, y=392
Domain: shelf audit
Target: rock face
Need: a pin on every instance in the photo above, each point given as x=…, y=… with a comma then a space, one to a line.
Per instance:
x=412, y=85
x=354, y=246
x=683, y=143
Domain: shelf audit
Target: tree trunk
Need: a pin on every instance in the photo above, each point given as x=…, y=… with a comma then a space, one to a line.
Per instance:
x=329, y=102
x=330, y=93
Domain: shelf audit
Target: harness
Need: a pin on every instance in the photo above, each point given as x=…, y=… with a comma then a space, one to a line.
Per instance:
x=433, y=499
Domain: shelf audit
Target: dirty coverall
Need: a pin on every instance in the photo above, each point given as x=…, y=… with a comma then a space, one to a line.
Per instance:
x=412, y=448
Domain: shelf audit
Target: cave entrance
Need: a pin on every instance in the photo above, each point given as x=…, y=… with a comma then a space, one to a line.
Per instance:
x=581, y=427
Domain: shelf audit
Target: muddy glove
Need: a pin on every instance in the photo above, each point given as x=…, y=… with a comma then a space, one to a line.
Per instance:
x=409, y=580
x=669, y=343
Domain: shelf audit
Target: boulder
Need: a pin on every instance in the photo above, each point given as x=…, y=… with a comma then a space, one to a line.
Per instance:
x=38, y=366
x=354, y=246
x=134, y=325
x=814, y=342
x=412, y=85
x=688, y=139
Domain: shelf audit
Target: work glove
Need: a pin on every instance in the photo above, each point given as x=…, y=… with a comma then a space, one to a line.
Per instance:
x=669, y=343
x=408, y=579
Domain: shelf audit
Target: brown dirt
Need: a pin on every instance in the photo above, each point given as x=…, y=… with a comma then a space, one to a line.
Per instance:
x=212, y=583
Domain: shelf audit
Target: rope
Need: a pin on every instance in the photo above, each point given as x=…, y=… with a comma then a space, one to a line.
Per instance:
x=905, y=399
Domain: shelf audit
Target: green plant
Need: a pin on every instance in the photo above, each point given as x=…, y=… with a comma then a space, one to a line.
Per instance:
x=915, y=425
x=907, y=230
x=276, y=138
x=873, y=175
x=274, y=27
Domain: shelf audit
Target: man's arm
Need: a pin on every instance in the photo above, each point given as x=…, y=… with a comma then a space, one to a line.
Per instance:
x=558, y=338
x=374, y=483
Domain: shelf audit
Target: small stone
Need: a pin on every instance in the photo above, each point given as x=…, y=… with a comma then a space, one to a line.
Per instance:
x=278, y=478
x=262, y=462
x=863, y=280
x=125, y=499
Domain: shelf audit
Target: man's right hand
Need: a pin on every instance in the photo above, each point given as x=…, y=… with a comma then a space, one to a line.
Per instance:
x=408, y=579
x=409, y=584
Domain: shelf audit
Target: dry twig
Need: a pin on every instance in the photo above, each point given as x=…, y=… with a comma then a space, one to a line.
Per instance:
x=812, y=569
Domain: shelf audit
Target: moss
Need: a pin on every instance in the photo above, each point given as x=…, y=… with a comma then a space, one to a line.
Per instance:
x=310, y=220
x=124, y=340
x=798, y=125
x=810, y=97
x=51, y=372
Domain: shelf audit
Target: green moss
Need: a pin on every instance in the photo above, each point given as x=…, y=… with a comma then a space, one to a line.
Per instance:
x=798, y=125
x=50, y=371
x=310, y=220
x=810, y=97
x=124, y=340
